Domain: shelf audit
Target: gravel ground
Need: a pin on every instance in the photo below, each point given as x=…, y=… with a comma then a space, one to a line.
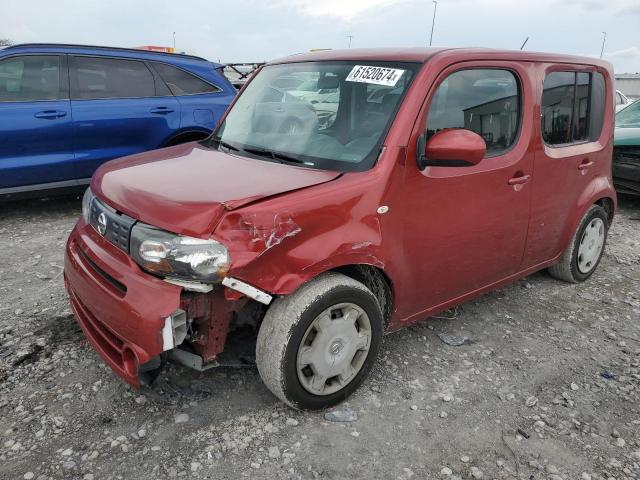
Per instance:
x=546, y=385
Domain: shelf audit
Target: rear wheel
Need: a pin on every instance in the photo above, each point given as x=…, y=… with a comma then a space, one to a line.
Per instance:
x=583, y=255
x=316, y=346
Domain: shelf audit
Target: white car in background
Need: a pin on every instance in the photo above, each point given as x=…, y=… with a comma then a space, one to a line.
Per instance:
x=621, y=101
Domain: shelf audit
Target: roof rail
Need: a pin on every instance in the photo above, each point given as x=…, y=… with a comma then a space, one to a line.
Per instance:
x=102, y=47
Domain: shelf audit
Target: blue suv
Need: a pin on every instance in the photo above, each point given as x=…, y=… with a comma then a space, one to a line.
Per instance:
x=66, y=109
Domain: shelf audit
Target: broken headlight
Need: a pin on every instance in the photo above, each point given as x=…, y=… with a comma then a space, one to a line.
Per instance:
x=175, y=256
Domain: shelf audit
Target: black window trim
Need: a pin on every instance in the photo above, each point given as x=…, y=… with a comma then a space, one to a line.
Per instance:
x=65, y=80
x=573, y=113
x=516, y=75
x=73, y=79
x=217, y=88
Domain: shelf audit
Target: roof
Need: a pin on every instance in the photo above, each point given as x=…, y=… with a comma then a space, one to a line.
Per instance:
x=422, y=54
x=76, y=48
x=419, y=55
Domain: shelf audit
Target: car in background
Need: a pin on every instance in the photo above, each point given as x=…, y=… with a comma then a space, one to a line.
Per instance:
x=626, y=150
x=621, y=101
x=67, y=109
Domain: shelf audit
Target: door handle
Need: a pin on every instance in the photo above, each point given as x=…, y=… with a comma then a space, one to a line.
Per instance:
x=586, y=163
x=519, y=180
x=162, y=110
x=49, y=114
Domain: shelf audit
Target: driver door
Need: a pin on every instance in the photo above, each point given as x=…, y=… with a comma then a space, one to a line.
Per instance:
x=466, y=226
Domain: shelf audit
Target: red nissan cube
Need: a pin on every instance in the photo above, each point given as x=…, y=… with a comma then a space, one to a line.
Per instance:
x=345, y=194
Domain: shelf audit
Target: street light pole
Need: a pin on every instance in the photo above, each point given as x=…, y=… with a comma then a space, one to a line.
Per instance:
x=174, y=42
x=349, y=37
x=433, y=22
x=604, y=39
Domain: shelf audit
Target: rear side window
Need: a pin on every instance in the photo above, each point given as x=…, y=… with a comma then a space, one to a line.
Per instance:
x=111, y=78
x=485, y=101
x=572, y=107
x=31, y=78
x=181, y=82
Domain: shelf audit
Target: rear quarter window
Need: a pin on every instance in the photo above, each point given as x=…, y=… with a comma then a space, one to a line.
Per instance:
x=181, y=82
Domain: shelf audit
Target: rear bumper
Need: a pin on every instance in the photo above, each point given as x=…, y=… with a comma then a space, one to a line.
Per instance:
x=120, y=309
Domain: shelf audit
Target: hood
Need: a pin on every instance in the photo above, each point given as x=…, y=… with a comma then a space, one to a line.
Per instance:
x=187, y=188
x=626, y=136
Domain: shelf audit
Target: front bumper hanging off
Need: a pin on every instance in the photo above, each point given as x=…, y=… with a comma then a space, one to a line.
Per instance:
x=131, y=317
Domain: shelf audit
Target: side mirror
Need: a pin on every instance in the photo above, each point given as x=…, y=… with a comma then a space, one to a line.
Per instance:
x=452, y=147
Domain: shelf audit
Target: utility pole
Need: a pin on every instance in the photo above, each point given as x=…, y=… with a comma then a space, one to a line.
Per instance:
x=433, y=22
x=174, y=42
x=349, y=37
x=604, y=39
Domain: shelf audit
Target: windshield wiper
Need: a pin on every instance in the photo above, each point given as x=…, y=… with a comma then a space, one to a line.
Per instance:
x=222, y=143
x=263, y=152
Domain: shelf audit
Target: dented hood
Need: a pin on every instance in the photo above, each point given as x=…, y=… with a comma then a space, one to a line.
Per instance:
x=187, y=188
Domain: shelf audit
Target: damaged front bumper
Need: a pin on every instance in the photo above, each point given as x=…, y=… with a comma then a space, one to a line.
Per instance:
x=131, y=317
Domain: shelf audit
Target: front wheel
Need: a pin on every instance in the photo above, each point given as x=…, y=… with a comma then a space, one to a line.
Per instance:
x=583, y=254
x=316, y=346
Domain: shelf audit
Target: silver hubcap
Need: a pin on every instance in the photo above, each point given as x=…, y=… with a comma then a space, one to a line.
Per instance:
x=333, y=349
x=591, y=245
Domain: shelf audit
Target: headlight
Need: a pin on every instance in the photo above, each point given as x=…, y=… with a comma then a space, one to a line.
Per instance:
x=175, y=256
x=86, y=204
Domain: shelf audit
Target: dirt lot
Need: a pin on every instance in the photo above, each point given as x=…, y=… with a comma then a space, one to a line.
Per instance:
x=547, y=385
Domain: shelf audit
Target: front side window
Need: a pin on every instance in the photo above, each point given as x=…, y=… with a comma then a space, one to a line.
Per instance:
x=31, y=78
x=327, y=115
x=97, y=78
x=485, y=101
x=181, y=82
x=572, y=107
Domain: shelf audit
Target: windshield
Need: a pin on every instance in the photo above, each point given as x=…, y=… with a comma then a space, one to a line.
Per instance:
x=629, y=116
x=326, y=115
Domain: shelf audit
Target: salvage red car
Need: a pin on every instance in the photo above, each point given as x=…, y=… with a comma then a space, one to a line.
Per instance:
x=345, y=195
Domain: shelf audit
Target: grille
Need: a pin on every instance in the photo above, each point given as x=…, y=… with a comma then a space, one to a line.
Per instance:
x=113, y=226
x=111, y=282
x=629, y=155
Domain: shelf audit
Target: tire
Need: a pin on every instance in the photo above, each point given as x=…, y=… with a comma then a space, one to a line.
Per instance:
x=571, y=267
x=293, y=321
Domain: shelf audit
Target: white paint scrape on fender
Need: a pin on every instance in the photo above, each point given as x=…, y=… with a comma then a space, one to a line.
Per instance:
x=248, y=290
x=193, y=286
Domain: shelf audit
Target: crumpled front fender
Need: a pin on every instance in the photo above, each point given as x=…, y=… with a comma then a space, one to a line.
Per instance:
x=279, y=244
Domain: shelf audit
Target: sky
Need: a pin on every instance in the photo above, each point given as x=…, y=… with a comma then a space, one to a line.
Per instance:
x=252, y=31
